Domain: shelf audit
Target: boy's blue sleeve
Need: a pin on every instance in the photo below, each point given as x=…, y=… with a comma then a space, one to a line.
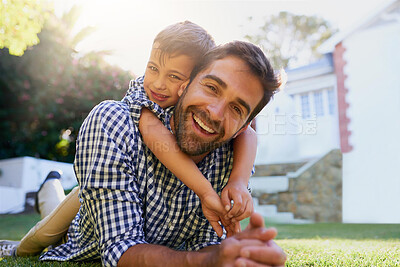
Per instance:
x=136, y=98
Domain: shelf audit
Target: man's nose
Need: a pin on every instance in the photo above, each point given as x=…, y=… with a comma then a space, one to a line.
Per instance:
x=160, y=83
x=217, y=110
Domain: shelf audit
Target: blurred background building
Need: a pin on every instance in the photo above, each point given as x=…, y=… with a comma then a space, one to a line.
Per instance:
x=350, y=100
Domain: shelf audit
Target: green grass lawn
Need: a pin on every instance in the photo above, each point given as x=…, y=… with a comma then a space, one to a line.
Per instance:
x=336, y=244
x=323, y=244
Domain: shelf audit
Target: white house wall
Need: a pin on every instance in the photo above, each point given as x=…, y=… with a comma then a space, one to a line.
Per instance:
x=283, y=135
x=319, y=134
x=371, y=171
x=276, y=131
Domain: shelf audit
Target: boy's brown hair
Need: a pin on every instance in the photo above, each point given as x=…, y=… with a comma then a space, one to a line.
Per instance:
x=184, y=38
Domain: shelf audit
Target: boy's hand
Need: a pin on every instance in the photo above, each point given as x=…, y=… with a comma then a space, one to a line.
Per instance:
x=214, y=212
x=242, y=201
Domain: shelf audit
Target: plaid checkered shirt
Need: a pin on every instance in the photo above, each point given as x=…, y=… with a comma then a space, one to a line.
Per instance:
x=127, y=196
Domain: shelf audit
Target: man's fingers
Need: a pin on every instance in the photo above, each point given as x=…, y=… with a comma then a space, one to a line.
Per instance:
x=271, y=254
x=261, y=233
x=256, y=220
x=243, y=262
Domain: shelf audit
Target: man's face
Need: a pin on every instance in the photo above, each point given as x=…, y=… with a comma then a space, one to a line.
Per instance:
x=215, y=105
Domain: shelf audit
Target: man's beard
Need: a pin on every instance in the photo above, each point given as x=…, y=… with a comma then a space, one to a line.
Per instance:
x=187, y=140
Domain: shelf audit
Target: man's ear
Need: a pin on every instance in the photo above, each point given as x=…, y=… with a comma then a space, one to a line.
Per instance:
x=241, y=130
x=182, y=88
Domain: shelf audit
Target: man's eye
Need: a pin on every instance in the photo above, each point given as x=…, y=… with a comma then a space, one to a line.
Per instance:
x=212, y=88
x=237, y=110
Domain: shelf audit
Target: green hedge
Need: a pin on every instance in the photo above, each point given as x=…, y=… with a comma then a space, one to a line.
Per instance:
x=46, y=93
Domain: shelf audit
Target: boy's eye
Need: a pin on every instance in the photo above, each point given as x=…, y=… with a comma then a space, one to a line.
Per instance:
x=153, y=68
x=175, y=77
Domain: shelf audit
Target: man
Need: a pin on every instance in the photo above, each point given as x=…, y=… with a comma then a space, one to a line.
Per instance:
x=134, y=212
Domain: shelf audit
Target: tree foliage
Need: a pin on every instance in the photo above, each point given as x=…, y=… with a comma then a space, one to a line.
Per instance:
x=20, y=23
x=290, y=40
x=46, y=93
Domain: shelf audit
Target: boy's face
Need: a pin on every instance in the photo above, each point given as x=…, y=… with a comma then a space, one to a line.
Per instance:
x=164, y=76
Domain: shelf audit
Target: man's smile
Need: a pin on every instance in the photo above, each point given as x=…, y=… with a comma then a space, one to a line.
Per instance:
x=202, y=125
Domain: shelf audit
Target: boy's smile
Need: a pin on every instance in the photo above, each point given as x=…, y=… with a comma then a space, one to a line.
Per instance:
x=158, y=97
x=164, y=76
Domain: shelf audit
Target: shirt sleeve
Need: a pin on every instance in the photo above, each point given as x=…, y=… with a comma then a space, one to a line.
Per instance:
x=136, y=99
x=105, y=166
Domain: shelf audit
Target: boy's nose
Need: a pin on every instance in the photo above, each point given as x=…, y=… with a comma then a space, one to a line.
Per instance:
x=159, y=84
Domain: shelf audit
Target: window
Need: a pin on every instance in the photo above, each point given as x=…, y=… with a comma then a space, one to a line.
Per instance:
x=305, y=106
x=331, y=101
x=319, y=104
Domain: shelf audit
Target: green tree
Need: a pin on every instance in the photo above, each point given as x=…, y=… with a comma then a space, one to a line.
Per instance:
x=46, y=93
x=290, y=40
x=20, y=23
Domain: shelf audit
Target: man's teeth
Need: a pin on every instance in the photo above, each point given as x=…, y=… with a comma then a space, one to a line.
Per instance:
x=202, y=125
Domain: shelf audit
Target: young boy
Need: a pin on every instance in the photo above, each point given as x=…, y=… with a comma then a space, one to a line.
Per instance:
x=175, y=52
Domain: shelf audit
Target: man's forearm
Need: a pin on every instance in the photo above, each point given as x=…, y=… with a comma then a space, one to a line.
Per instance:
x=156, y=255
x=253, y=246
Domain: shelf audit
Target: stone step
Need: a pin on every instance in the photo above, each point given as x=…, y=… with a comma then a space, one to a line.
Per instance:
x=283, y=218
x=301, y=221
x=279, y=217
x=269, y=184
x=271, y=214
x=277, y=169
x=266, y=209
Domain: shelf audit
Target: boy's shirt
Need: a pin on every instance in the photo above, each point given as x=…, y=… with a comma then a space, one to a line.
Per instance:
x=136, y=96
x=127, y=196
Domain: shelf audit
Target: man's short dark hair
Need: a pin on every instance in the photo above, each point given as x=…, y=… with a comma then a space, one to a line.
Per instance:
x=256, y=61
x=184, y=38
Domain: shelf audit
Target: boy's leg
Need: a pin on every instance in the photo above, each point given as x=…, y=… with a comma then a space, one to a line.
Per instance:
x=55, y=225
x=50, y=194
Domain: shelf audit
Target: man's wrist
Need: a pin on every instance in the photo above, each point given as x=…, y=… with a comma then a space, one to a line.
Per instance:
x=210, y=254
x=153, y=255
x=202, y=258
